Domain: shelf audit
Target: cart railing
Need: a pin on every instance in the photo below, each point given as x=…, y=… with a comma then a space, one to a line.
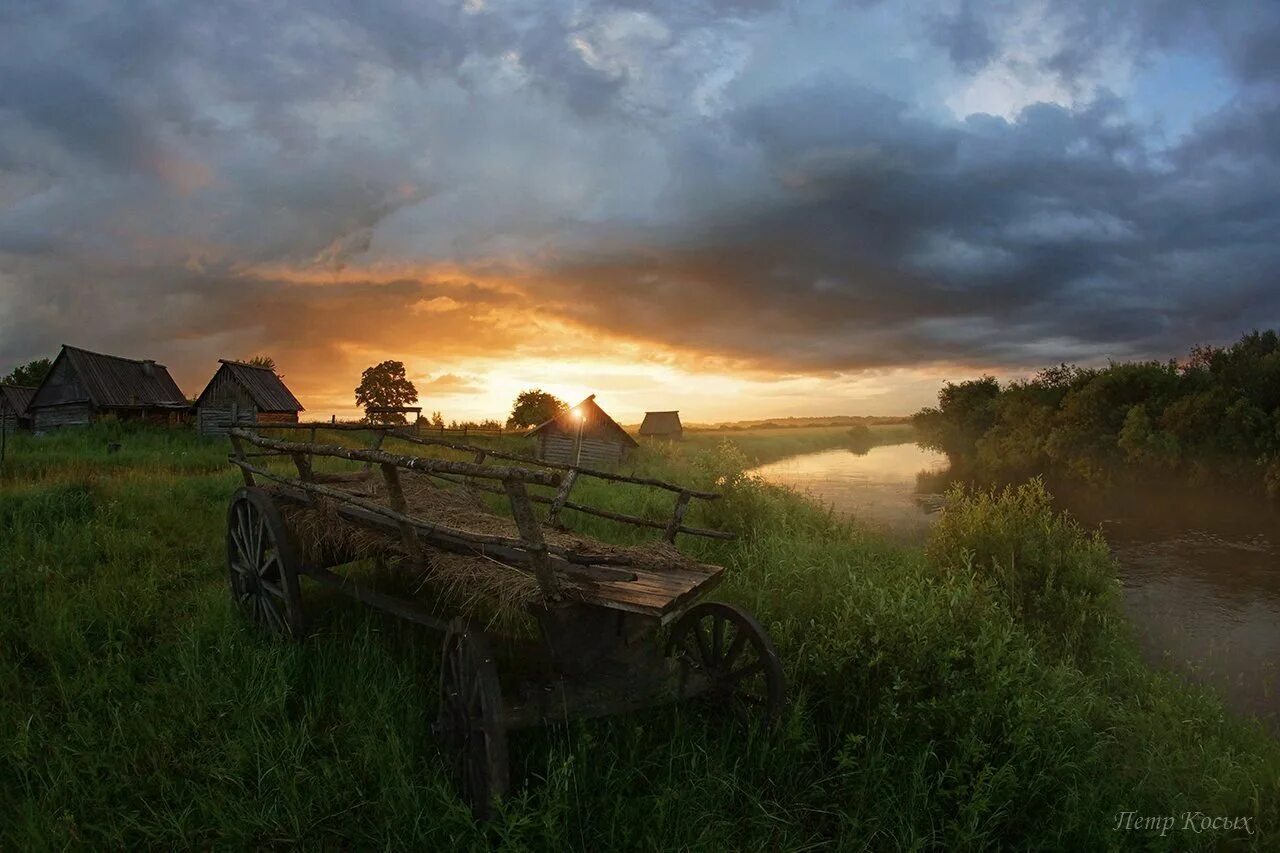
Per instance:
x=530, y=548
x=671, y=527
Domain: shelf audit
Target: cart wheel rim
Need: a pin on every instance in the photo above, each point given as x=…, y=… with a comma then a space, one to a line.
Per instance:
x=725, y=647
x=262, y=565
x=470, y=722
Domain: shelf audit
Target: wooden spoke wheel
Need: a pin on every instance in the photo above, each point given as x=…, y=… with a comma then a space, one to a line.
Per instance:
x=723, y=644
x=262, y=564
x=470, y=723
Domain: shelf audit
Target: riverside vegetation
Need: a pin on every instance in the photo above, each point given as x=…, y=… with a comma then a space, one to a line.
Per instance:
x=1215, y=417
x=981, y=692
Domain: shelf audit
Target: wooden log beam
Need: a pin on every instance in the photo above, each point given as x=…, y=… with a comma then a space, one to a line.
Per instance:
x=559, y=466
x=502, y=548
x=531, y=533
x=708, y=533
x=600, y=514
x=400, y=433
x=385, y=512
x=414, y=463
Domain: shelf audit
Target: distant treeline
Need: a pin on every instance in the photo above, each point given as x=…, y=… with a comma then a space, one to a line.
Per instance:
x=1215, y=415
x=797, y=423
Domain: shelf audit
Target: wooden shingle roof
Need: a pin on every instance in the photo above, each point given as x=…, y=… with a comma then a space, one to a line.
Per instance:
x=112, y=382
x=595, y=418
x=661, y=423
x=14, y=398
x=263, y=385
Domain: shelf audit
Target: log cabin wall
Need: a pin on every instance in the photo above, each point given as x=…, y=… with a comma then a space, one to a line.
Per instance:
x=562, y=447
x=48, y=418
x=603, y=441
x=245, y=395
x=224, y=403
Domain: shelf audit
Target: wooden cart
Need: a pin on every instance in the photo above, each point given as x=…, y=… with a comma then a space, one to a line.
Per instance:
x=614, y=635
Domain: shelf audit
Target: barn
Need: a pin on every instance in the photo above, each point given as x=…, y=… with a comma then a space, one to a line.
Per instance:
x=13, y=407
x=662, y=425
x=82, y=386
x=242, y=393
x=583, y=435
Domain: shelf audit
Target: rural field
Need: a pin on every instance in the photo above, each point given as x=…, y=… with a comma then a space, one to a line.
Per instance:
x=983, y=691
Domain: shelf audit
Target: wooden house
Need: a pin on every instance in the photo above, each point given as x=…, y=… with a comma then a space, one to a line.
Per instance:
x=583, y=435
x=83, y=386
x=14, y=400
x=662, y=425
x=242, y=393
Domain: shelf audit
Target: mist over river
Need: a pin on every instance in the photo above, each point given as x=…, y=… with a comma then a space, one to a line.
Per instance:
x=1201, y=573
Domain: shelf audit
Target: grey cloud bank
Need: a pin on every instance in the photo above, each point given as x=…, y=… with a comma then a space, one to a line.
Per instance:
x=783, y=184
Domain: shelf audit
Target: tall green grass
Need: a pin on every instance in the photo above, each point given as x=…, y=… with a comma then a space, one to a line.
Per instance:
x=982, y=693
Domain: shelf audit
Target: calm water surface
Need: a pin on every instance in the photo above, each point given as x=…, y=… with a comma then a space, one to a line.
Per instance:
x=1201, y=576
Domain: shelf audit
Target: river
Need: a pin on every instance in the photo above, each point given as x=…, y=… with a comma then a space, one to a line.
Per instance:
x=1201, y=577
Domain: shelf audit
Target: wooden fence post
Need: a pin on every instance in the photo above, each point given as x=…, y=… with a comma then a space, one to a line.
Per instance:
x=531, y=533
x=395, y=497
x=677, y=517
x=562, y=495
x=238, y=447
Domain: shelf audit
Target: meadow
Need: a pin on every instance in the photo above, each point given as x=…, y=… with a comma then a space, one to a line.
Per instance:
x=981, y=692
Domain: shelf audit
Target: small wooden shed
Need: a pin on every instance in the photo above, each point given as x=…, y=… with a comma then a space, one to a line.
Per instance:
x=82, y=386
x=662, y=425
x=583, y=435
x=241, y=393
x=14, y=400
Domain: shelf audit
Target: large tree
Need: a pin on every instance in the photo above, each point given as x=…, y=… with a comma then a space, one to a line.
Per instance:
x=533, y=407
x=31, y=374
x=385, y=385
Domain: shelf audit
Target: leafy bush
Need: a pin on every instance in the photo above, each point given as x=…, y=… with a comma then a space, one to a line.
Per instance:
x=1054, y=578
x=1214, y=416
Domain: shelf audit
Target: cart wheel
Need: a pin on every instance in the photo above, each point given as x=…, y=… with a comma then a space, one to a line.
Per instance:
x=724, y=644
x=470, y=723
x=262, y=564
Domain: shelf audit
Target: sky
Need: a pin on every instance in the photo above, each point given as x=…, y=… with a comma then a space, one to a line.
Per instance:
x=735, y=208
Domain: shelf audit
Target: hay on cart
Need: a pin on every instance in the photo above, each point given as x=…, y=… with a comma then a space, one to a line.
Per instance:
x=468, y=582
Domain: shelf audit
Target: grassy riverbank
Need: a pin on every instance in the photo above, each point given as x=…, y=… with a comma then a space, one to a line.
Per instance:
x=768, y=445
x=983, y=692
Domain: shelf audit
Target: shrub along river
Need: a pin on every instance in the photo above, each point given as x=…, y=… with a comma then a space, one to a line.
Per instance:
x=1201, y=574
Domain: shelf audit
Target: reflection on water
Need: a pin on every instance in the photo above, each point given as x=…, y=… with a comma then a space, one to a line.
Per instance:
x=878, y=488
x=1201, y=575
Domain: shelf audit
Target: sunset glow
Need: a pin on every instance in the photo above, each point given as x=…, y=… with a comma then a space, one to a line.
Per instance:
x=738, y=214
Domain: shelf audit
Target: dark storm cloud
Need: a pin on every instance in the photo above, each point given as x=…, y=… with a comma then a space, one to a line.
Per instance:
x=1009, y=243
x=728, y=177
x=966, y=36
